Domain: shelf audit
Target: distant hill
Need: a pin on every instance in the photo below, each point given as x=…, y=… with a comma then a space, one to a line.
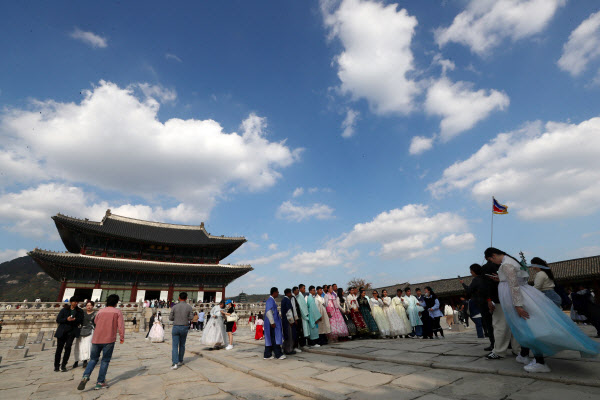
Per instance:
x=252, y=298
x=22, y=279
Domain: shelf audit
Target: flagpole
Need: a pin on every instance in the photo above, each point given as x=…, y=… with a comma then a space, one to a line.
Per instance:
x=492, y=234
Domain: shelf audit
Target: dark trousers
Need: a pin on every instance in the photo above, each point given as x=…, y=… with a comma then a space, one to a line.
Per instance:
x=437, y=328
x=486, y=322
x=274, y=348
x=478, y=327
x=323, y=339
x=201, y=323
x=66, y=342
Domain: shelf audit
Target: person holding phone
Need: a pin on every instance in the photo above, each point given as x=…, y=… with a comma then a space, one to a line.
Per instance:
x=69, y=320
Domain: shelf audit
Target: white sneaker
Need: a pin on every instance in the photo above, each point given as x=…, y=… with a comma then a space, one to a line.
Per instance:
x=523, y=359
x=316, y=345
x=229, y=347
x=283, y=357
x=534, y=368
x=269, y=358
x=298, y=351
x=174, y=366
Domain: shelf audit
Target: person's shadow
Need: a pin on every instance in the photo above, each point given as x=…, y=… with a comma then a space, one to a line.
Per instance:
x=128, y=374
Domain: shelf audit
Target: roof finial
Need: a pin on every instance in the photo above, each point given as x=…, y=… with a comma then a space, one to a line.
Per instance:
x=108, y=213
x=201, y=224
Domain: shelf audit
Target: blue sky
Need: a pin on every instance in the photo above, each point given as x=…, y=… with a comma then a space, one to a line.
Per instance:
x=342, y=138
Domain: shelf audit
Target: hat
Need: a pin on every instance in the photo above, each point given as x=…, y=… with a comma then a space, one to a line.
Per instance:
x=228, y=302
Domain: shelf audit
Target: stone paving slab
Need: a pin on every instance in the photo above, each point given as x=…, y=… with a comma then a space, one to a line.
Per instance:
x=483, y=387
x=430, y=379
x=555, y=391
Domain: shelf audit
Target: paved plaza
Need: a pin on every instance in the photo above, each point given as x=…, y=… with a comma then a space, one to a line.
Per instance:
x=451, y=368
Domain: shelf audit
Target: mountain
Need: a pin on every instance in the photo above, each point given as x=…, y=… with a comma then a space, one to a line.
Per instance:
x=22, y=278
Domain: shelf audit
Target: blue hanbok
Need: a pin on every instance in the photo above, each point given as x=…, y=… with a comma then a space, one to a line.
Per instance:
x=277, y=331
x=313, y=316
x=548, y=330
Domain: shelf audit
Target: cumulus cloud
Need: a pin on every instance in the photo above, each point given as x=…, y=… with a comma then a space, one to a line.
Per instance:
x=306, y=262
x=89, y=38
x=273, y=246
x=298, y=192
x=349, y=123
x=376, y=61
x=485, y=24
x=157, y=92
x=540, y=171
x=10, y=254
x=582, y=47
x=459, y=242
x=28, y=211
x=266, y=259
x=406, y=232
x=292, y=212
x=113, y=140
x=460, y=106
x=420, y=144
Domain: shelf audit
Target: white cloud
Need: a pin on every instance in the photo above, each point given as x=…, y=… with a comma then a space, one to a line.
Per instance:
x=349, y=123
x=157, y=92
x=460, y=106
x=288, y=210
x=408, y=232
x=459, y=242
x=583, y=46
x=376, y=61
x=266, y=259
x=192, y=161
x=485, y=24
x=540, y=172
x=273, y=246
x=265, y=236
x=9, y=254
x=420, y=144
x=28, y=212
x=447, y=65
x=306, y=262
x=89, y=38
x=170, y=56
x=298, y=192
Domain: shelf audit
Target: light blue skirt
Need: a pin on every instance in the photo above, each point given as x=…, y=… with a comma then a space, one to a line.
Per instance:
x=552, y=295
x=548, y=329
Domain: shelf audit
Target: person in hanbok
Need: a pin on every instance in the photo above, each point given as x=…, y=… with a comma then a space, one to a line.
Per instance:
x=534, y=320
x=214, y=334
x=299, y=292
x=379, y=315
x=273, y=330
x=289, y=323
x=314, y=317
x=252, y=322
x=396, y=324
x=296, y=311
x=411, y=304
x=355, y=315
x=259, y=335
x=324, y=325
x=339, y=329
x=157, y=332
x=344, y=307
x=544, y=280
x=433, y=308
x=365, y=310
x=398, y=305
x=83, y=344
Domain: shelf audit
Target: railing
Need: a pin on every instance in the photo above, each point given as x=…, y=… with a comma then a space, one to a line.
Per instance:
x=32, y=305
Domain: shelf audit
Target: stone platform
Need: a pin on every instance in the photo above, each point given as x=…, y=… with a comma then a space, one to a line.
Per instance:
x=451, y=368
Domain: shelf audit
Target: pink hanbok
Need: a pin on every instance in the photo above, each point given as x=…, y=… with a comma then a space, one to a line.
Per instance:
x=338, y=325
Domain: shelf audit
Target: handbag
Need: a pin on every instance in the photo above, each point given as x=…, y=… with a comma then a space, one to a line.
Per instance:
x=233, y=317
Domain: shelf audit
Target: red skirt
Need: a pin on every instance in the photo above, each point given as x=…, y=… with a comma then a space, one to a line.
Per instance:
x=234, y=327
x=259, y=332
x=359, y=321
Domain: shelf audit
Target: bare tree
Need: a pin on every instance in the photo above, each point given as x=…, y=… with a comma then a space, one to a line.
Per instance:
x=359, y=282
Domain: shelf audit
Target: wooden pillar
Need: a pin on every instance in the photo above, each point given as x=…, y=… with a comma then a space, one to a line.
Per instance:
x=170, y=294
x=61, y=292
x=133, y=295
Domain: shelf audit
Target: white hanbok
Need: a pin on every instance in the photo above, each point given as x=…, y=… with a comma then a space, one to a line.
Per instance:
x=157, y=333
x=379, y=316
x=398, y=306
x=396, y=324
x=214, y=332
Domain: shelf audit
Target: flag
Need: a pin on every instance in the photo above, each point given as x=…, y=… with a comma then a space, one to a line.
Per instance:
x=498, y=208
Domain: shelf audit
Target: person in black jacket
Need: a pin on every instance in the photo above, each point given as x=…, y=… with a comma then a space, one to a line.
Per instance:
x=69, y=321
x=477, y=291
x=491, y=291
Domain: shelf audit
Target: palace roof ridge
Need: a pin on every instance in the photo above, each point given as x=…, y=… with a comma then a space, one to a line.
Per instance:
x=128, y=260
x=165, y=225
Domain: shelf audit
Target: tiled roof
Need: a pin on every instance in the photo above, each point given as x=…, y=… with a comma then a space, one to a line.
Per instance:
x=564, y=272
x=147, y=231
x=106, y=263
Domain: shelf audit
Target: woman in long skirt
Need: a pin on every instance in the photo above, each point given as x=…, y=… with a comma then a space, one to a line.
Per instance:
x=345, y=311
x=259, y=328
x=336, y=321
x=355, y=315
x=157, y=332
x=378, y=315
x=83, y=344
x=398, y=305
x=533, y=318
x=396, y=324
x=214, y=334
x=365, y=310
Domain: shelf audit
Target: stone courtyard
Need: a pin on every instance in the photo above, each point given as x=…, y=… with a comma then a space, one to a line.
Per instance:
x=451, y=368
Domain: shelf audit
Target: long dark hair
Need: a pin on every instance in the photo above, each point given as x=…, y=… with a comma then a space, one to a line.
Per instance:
x=340, y=293
x=539, y=261
x=490, y=251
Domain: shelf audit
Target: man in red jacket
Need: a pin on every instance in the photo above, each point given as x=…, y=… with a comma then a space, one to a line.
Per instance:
x=108, y=321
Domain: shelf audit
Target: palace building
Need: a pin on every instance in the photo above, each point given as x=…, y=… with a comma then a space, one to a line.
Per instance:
x=139, y=260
